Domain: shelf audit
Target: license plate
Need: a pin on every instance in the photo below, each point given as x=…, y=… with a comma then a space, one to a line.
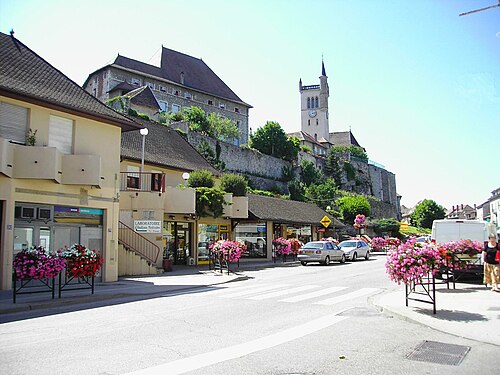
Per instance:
x=309, y=252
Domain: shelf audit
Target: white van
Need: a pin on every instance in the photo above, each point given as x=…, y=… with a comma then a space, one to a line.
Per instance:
x=455, y=230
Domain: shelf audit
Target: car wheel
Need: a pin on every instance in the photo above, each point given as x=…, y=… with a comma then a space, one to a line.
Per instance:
x=303, y=263
x=367, y=256
x=354, y=257
x=342, y=260
x=327, y=261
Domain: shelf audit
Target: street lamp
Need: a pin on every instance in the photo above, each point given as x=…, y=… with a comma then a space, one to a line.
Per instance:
x=185, y=177
x=144, y=132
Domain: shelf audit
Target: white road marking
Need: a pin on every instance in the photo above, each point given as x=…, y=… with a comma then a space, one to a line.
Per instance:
x=254, y=290
x=346, y=297
x=318, y=293
x=184, y=365
x=283, y=292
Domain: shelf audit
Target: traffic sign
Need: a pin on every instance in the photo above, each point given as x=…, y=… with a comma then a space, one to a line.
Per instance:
x=326, y=221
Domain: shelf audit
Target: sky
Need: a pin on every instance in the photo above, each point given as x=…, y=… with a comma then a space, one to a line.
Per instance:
x=417, y=84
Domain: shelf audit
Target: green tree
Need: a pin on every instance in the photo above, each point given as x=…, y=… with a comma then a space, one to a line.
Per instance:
x=197, y=119
x=201, y=178
x=351, y=205
x=333, y=167
x=426, y=212
x=234, y=183
x=323, y=195
x=296, y=190
x=355, y=151
x=287, y=173
x=308, y=172
x=271, y=139
x=222, y=128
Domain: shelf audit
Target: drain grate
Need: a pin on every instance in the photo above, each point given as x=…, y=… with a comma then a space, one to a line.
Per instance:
x=439, y=352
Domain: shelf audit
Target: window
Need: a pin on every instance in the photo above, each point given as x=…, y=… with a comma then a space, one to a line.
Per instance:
x=315, y=136
x=236, y=109
x=222, y=106
x=61, y=134
x=175, y=92
x=163, y=106
x=308, y=102
x=210, y=102
x=308, y=122
x=316, y=105
x=13, y=122
x=317, y=122
x=151, y=85
x=133, y=179
x=176, y=108
x=187, y=95
x=253, y=235
x=163, y=88
x=135, y=81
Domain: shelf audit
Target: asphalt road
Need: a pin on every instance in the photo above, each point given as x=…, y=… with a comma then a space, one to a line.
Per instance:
x=289, y=320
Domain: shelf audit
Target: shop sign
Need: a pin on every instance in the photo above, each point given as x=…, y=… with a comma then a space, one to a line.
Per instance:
x=147, y=226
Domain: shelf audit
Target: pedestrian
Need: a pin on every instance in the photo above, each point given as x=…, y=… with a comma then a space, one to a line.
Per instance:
x=491, y=266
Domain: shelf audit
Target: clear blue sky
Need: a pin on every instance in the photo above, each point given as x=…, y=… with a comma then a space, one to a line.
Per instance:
x=418, y=85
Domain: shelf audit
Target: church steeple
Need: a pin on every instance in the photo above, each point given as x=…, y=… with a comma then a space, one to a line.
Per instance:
x=323, y=72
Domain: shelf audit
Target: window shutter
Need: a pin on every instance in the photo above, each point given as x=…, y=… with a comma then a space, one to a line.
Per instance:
x=13, y=122
x=61, y=134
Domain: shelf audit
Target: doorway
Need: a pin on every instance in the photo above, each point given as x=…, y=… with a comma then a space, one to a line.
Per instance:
x=177, y=242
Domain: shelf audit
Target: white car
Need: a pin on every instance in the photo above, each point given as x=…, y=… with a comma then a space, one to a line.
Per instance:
x=354, y=249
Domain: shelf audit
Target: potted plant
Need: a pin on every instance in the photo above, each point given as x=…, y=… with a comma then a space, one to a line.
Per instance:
x=80, y=261
x=282, y=247
x=37, y=263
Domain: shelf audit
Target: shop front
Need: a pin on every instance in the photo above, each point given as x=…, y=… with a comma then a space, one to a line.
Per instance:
x=254, y=235
x=208, y=232
x=177, y=242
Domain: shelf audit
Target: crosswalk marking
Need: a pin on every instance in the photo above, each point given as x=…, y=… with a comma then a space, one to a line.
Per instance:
x=318, y=293
x=348, y=296
x=254, y=290
x=283, y=292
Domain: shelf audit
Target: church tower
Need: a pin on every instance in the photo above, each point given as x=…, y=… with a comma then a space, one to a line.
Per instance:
x=314, y=107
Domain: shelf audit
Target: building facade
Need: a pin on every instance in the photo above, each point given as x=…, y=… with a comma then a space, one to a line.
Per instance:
x=180, y=81
x=59, y=158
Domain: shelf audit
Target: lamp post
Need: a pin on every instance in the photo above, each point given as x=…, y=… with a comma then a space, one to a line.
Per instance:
x=185, y=177
x=144, y=132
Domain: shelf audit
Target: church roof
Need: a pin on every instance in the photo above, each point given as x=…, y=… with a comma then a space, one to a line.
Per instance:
x=343, y=138
x=26, y=76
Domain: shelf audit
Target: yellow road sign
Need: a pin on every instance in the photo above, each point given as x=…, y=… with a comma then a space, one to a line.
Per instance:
x=326, y=221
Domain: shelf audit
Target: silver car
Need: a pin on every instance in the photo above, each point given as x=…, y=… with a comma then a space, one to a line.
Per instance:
x=320, y=251
x=354, y=249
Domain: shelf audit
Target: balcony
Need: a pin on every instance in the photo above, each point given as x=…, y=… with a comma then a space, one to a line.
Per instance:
x=37, y=163
x=81, y=170
x=142, y=182
x=6, y=157
x=180, y=200
x=237, y=207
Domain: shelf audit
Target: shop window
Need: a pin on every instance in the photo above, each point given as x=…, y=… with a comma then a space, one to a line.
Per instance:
x=253, y=235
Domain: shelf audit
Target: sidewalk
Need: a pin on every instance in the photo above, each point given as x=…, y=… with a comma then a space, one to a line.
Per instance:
x=471, y=311
x=133, y=287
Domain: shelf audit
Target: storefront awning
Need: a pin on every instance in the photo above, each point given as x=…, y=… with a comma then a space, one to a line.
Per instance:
x=287, y=211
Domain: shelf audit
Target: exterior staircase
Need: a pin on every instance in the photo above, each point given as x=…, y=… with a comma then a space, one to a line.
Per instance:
x=136, y=254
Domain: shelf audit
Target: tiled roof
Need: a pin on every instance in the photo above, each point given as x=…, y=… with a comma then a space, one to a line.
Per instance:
x=196, y=74
x=164, y=147
x=303, y=136
x=27, y=76
x=286, y=211
x=125, y=86
x=143, y=96
x=343, y=138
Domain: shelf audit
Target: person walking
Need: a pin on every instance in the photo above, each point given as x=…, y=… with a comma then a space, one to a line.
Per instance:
x=491, y=266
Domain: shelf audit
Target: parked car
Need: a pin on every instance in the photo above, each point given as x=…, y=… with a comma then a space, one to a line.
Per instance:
x=320, y=251
x=424, y=239
x=353, y=249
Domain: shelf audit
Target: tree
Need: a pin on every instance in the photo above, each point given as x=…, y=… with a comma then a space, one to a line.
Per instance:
x=333, y=167
x=352, y=205
x=271, y=139
x=387, y=226
x=323, y=195
x=426, y=212
x=234, y=183
x=308, y=172
x=201, y=178
x=197, y=119
x=296, y=189
x=356, y=151
x=222, y=128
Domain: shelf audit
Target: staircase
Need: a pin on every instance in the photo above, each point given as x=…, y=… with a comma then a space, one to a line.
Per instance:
x=136, y=254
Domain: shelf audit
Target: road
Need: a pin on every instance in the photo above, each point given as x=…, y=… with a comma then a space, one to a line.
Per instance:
x=286, y=320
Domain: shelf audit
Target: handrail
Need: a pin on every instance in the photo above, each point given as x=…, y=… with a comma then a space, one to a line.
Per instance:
x=137, y=243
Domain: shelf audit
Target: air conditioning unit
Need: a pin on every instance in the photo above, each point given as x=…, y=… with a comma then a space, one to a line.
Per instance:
x=25, y=212
x=44, y=213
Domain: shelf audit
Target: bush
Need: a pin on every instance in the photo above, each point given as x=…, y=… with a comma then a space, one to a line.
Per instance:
x=234, y=183
x=201, y=178
x=209, y=202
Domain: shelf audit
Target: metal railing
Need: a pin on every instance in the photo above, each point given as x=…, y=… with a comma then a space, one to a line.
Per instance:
x=137, y=243
x=142, y=181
